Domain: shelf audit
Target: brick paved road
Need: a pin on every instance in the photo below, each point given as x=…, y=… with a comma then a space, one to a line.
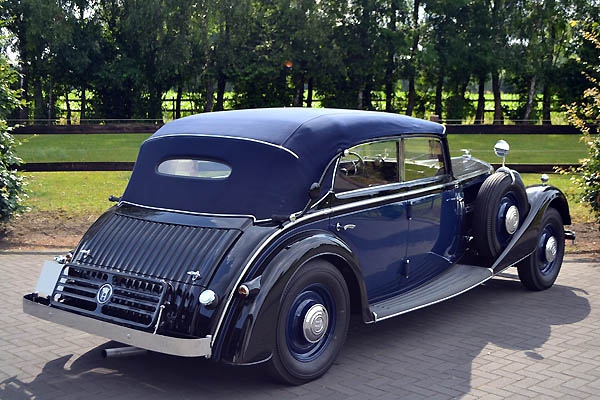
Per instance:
x=496, y=341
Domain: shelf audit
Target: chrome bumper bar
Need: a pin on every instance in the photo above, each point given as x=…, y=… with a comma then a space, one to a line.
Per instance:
x=132, y=337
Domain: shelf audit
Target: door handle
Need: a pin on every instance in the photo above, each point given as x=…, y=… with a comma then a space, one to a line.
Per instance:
x=339, y=227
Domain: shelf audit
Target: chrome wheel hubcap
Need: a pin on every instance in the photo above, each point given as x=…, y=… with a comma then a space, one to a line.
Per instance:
x=511, y=222
x=315, y=323
x=551, y=249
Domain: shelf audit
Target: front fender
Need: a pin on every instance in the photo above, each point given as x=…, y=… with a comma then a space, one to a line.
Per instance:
x=251, y=335
x=524, y=241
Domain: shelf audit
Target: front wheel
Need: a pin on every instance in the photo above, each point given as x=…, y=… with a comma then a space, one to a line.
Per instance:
x=541, y=268
x=312, y=323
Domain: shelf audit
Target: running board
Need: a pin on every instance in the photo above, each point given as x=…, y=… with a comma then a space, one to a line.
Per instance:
x=456, y=280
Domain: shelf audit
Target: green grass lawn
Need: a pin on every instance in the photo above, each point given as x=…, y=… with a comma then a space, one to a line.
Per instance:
x=524, y=149
x=537, y=149
x=75, y=193
x=74, y=148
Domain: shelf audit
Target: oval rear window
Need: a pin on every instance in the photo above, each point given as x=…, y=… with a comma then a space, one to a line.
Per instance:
x=191, y=168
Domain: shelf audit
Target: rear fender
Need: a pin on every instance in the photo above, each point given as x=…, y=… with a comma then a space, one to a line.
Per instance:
x=250, y=338
x=524, y=241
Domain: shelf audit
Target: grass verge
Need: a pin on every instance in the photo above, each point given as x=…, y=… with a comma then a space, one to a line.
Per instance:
x=74, y=193
x=80, y=148
x=524, y=149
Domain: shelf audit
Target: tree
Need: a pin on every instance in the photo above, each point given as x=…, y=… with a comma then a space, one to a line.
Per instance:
x=358, y=31
x=585, y=115
x=539, y=47
x=34, y=24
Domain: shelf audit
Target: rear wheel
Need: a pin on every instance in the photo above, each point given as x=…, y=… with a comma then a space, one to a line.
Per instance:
x=312, y=323
x=541, y=268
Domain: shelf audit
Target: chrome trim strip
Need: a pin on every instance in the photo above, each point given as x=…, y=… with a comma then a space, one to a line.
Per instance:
x=390, y=197
x=256, y=221
x=387, y=186
x=437, y=301
x=227, y=137
x=145, y=340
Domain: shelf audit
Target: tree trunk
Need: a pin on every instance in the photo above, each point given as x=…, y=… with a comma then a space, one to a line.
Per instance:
x=391, y=65
x=178, y=102
x=389, y=96
x=361, y=96
x=38, y=100
x=530, y=96
x=480, y=113
x=221, y=82
x=368, y=98
x=412, y=93
x=299, y=92
x=208, y=93
x=439, y=87
x=50, y=100
x=83, y=105
x=24, y=111
x=309, y=93
x=546, y=106
x=155, y=106
x=498, y=114
x=68, y=105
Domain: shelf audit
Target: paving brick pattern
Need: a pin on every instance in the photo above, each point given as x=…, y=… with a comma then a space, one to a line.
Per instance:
x=496, y=341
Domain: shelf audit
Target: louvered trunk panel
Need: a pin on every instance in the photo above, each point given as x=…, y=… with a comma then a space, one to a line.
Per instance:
x=160, y=250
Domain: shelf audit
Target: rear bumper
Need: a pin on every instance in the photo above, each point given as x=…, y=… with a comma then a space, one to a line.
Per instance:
x=159, y=343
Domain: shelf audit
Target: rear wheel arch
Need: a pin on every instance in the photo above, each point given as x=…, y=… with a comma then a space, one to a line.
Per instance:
x=254, y=316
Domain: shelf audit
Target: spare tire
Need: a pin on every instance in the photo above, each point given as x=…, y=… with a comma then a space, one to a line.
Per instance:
x=500, y=208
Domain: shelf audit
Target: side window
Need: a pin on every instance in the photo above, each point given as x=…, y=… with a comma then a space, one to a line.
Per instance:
x=367, y=165
x=423, y=158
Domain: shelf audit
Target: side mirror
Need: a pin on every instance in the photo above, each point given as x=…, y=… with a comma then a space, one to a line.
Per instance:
x=501, y=150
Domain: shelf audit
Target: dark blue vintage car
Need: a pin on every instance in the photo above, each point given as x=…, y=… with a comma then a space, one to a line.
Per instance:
x=250, y=236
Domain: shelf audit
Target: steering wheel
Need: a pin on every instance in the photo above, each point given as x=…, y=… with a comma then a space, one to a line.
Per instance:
x=356, y=164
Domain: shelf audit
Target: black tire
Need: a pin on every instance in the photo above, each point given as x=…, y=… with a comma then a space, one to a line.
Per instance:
x=317, y=285
x=498, y=197
x=540, y=270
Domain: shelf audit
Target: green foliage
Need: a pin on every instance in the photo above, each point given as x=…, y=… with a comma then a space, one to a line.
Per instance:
x=9, y=97
x=12, y=185
x=585, y=115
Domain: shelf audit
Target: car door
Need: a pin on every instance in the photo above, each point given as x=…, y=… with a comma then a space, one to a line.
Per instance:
x=433, y=219
x=390, y=200
x=370, y=215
